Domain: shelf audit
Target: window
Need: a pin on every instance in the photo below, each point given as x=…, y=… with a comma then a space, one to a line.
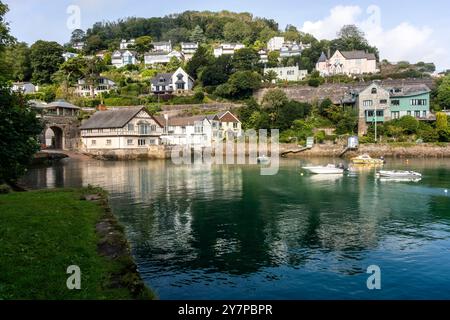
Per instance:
x=417, y=114
x=395, y=114
x=370, y=113
x=144, y=128
x=367, y=103
x=183, y=130
x=94, y=142
x=108, y=142
x=180, y=86
x=100, y=130
x=130, y=127
x=153, y=128
x=374, y=90
x=424, y=114
x=198, y=128
x=383, y=101
x=395, y=102
x=408, y=113
x=419, y=102
x=130, y=142
x=235, y=125
x=380, y=113
x=142, y=142
x=152, y=141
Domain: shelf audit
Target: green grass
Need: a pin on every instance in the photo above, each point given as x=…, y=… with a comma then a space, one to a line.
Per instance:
x=44, y=232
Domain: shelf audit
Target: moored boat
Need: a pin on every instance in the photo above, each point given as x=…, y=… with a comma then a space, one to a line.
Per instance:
x=399, y=174
x=329, y=169
x=365, y=159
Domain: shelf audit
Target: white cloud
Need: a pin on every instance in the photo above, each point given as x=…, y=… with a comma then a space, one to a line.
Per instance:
x=402, y=42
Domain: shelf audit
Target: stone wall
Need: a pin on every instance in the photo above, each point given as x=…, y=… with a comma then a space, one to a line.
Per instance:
x=335, y=91
x=151, y=152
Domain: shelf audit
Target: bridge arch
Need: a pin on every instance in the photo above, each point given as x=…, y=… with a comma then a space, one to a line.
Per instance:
x=54, y=137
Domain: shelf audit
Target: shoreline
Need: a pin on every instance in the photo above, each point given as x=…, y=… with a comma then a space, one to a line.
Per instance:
x=393, y=150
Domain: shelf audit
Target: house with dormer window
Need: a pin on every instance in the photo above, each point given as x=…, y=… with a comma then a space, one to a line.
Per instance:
x=178, y=82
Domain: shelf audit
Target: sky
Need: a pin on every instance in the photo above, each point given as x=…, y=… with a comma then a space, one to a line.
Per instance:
x=403, y=30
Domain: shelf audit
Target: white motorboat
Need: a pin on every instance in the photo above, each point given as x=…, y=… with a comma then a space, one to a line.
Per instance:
x=329, y=169
x=399, y=174
x=263, y=160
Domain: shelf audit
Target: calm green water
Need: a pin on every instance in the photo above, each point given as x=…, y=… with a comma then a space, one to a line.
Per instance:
x=225, y=232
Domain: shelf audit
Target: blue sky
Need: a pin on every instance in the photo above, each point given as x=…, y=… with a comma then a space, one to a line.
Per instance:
x=403, y=30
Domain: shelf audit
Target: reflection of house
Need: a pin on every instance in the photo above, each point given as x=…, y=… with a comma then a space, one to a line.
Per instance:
x=347, y=62
x=24, y=87
x=227, y=48
x=167, y=83
x=121, y=58
x=122, y=128
x=165, y=46
x=103, y=85
x=69, y=55
x=377, y=103
x=124, y=44
x=288, y=73
x=189, y=49
x=161, y=57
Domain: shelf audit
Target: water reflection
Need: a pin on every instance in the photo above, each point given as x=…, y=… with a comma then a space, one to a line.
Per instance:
x=227, y=232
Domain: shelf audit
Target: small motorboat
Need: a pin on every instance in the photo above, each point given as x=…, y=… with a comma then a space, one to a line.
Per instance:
x=329, y=169
x=263, y=160
x=365, y=159
x=399, y=174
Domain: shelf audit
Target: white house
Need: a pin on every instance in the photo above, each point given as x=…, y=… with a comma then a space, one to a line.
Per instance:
x=189, y=131
x=227, y=48
x=165, y=46
x=347, y=62
x=167, y=83
x=104, y=85
x=121, y=58
x=189, y=49
x=263, y=56
x=78, y=46
x=69, y=55
x=275, y=44
x=229, y=126
x=290, y=49
x=160, y=57
x=288, y=73
x=121, y=128
x=24, y=87
x=124, y=44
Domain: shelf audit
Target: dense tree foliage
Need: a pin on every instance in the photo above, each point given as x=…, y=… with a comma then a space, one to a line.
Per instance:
x=45, y=58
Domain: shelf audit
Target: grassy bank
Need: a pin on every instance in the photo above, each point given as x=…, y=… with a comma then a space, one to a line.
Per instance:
x=42, y=233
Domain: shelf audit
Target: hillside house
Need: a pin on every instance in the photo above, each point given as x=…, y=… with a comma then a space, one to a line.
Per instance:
x=347, y=62
x=103, y=85
x=177, y=82
x=227, y=48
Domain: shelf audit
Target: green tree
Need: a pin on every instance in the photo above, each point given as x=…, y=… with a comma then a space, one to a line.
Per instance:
x=173, y=64
x=245, y=59
x=441, y=121
x=143, y=44
x=274, y=59
x=218, y=72
x=197, y=35
x=274, y=98
x=270, y=76
x=19, y=128
x=201, y=59
x=17, y=61
x=237, y=31
x=45, y=59
x=244, y=82
x=78, y=35
x=443, y=93
x=94, y=43
x=5, y=39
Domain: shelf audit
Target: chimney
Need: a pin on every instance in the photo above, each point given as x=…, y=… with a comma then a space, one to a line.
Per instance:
x=329, y=53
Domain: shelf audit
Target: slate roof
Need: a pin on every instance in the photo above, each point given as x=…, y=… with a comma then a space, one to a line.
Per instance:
x=323, y=58
x=116, y=118
x=167, y=79
x=358, y=55
x=409, y=90
x=61, y=104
